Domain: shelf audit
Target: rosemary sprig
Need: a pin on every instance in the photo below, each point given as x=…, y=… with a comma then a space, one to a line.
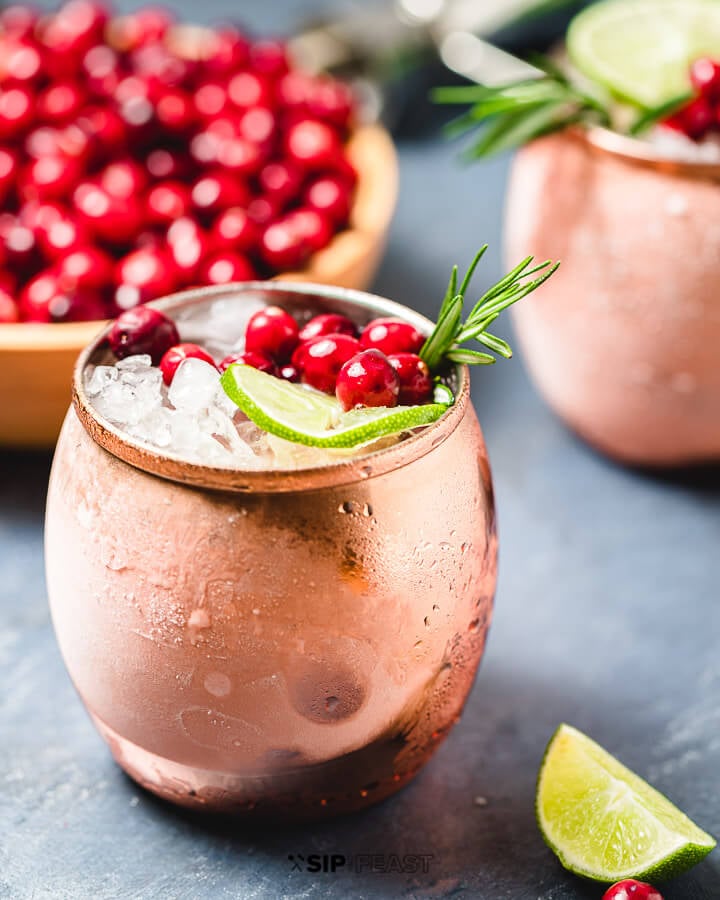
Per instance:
x=450, y=332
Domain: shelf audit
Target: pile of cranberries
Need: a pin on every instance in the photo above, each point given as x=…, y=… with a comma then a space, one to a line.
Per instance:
x=378, y=366
x=702, y=114
x=138, y=158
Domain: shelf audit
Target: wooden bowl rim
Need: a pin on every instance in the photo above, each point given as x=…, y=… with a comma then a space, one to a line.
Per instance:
x=370, y=148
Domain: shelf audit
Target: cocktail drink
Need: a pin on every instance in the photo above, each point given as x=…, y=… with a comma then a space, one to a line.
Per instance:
x=624, y=343
x=254, y=623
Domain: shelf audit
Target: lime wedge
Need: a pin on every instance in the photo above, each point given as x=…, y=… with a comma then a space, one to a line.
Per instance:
x=641, y=50
x=606, y=823
x=306, y=416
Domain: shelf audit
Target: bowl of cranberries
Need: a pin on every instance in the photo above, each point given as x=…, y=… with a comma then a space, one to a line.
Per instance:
x=140, y=156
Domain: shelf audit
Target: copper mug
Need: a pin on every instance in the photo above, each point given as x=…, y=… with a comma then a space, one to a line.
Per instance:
x=624, y=342
x=292, y=643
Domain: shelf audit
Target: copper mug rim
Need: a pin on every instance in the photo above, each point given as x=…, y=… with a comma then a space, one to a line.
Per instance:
x=173, y=467
x=642, y=153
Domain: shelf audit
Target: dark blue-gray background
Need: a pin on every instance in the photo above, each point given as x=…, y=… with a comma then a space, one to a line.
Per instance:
x=607, y=617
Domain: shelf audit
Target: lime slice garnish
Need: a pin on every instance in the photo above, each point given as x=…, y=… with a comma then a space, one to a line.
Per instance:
x=606, y=823
x=306, y=416
x=642, y=50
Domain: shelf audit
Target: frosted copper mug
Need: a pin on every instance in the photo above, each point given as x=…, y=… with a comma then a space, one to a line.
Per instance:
x=267, y=642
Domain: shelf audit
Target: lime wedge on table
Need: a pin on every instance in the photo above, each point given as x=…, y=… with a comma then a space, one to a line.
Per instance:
x=606, y=823
x=642, y=50
x=308, y=417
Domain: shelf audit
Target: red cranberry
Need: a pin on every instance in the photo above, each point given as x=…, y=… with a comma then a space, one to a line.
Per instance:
x=240, y=156
x=59, y=236
x=175, y=110
x=22, y=61
x=210, y=99
x=71, y=31
x=224, y=50
x=59, y=103
x=123, y=178
x=392, y=336
x=314, y=229
x=143, y=275
x=87, y=267
x=163, y=163
x=143, y=330
x=102, y=70
x=17, y=20
x=145, y=26
x=263, y=210
x=330, y=196
x=162, y=68
x=234, y=229
x=632, y=890
x=320, y=359
x=694, y=120
x=9, y=311
x=257, y=125
x=49, y=178
x=172, y=358
x=367, y=379
x=312, y=144
x=248, y=90
x=289, y=373
x=416, y=384
x=217, y=191
x=105, y=129
x=269, y=58
x=167, y=202
x=45, y=300
x=187, y=245
x=331, y=101
x=225, y=267
x=20, y=247
x=273, y=332
x=16, y=111
x=114, y=219
x=293, y=91
x=281, y=181
x=283, y=247
x=8, y=171
x=258, y=361
x=705, y=77
x=328, y=323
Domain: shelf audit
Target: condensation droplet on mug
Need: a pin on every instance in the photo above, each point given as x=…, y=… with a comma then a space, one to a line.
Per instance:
x=683, y=383
x=112, y=557
x=367, y=510
x=217, y=684
x=199, y=618
x=676, y=205
x=84, y=515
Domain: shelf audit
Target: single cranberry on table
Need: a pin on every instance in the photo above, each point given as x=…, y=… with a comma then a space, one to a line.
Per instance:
x=367, y=379
x=327, y=323
x=172, y=358
x=273, y=332
x=234, y=229
x=416, y=383
x=392, y=336
x=320, y=359
x=143, y=330
x=632, y=890
x=143, y=275
x=226, y=266
x=259, y=361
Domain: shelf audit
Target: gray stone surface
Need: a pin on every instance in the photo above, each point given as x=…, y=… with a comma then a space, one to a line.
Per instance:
x=607, y=617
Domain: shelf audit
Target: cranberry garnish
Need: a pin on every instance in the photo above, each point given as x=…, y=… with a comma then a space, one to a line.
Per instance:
x=233, y=228
x=416, y=384
x=143, y=275
x=695, y=119
x=258, y=361
x=392, y=336
x=320, y=359
x=327, y=323
x=9, y=311
x=167, y=202
x=289, y=373
x=179, y=353
x=705, y=77
x=330, y=196
x=16, y=111
x=632, y=890
x=143, y=330
x=273, y=332
x=367, y=379
x=225, y=267
x=312, y=144
x=217, y=191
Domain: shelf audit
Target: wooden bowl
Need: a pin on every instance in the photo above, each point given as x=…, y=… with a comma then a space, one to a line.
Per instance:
x=36, y=361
